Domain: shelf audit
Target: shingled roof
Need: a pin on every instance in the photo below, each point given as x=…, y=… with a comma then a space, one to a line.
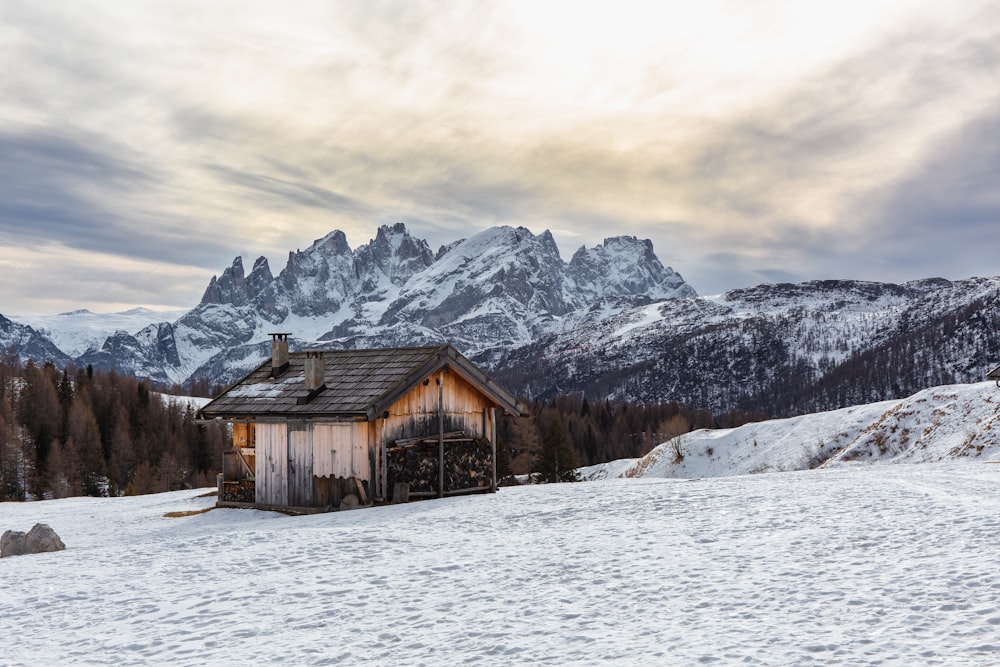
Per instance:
x=994, y=375
x=358, y=383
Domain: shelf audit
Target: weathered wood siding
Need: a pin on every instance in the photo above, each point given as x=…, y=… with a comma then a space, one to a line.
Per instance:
x=416, y=412
x=341, y=450
x=300, y=464
x=272, y=463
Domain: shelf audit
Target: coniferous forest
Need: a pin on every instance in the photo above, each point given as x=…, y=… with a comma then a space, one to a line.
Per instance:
x=77, y=431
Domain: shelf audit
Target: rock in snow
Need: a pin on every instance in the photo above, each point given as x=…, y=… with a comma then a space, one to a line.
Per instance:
x=40, y=539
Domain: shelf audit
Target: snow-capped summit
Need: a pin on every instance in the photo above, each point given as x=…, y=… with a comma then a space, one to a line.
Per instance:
x=613, y=322
x=499, y=289
x=621, y=266
x=393, y=257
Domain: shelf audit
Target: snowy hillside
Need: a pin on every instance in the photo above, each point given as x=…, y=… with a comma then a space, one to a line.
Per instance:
x=862, y=565
x=774, y=349
x=957, y=422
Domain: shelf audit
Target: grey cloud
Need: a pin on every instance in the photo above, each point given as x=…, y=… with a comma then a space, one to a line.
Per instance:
x=274, y=192
x=77, y=189
x=47, y=184
x=944, y=217
x=834, y=114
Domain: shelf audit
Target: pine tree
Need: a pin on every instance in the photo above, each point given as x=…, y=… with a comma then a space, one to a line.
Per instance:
x=557, y=462
x=503, y=461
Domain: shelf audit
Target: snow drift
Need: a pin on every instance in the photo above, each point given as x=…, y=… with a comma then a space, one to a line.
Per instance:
x=937, y=424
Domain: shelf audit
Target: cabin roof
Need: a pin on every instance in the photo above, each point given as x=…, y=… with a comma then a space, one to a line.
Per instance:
x=358, y=383
x=994, y=374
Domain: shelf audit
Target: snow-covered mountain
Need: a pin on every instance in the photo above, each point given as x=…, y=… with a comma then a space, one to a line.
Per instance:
x=940, y=424
x=500, y=289
x=80, y=331
x=22, y=340
x=612, y=322
x=775, y=349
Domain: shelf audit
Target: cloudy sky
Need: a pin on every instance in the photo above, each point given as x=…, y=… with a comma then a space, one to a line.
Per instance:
x=144, y=145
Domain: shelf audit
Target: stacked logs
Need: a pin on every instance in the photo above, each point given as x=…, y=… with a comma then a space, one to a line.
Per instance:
x=468, y=464
x=242, y=491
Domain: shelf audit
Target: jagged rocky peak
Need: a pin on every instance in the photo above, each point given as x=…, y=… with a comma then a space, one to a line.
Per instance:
x=320, y=278
x=518, y=240
x=333, y=243
x=624, y=266
x=310, y=260
x=500, y=265
x=260, y=276
x=230, y=287
x=393, y=253
x=262, y=290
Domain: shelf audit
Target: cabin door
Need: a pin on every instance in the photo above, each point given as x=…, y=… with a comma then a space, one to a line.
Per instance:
x=300, y=465
x=272, y=464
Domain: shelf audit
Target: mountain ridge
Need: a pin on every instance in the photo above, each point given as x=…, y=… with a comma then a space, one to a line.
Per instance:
x=499, y=288
x=611, y=323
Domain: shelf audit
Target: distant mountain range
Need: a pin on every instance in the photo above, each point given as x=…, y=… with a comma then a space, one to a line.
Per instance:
x=495, y=291
x=612, y=322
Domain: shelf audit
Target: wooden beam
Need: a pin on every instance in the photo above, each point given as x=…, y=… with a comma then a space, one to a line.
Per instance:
x=492, y=412
x=361, y=491
x=383, y=446
x=450, y=435
x=471, y=489
x=441, y=434
x=245, y=464
x=430, y=441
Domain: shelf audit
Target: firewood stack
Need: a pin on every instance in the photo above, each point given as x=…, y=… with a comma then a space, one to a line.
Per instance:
x=468, y=463
x=239, y=492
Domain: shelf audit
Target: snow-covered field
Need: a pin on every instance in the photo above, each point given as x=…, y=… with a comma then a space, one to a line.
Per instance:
x=858, y=565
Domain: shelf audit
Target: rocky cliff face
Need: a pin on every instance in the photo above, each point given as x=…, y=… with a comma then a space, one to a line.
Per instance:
x=499, y=289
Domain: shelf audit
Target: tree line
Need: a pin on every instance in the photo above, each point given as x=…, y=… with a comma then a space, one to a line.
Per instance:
x=571, y=430
x=77, y=431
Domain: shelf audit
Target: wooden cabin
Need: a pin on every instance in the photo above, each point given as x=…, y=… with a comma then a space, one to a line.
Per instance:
x=994, y=375
x=311, y=428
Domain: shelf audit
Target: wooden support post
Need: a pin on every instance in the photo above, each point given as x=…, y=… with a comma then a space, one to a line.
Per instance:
x=440, y=382
x=361, y=490
x=493, y=442
x=383, y=490
x=250, y=471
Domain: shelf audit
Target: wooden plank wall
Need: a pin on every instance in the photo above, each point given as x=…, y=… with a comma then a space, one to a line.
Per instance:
x=415, y=413
x=341, y=450
x=272, y=463
x=300, y=464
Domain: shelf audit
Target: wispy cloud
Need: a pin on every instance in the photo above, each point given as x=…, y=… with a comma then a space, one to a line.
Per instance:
x=748, y=139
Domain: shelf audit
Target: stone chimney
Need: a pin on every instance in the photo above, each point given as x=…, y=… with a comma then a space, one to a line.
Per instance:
x=315, y=371
x=279, y=353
